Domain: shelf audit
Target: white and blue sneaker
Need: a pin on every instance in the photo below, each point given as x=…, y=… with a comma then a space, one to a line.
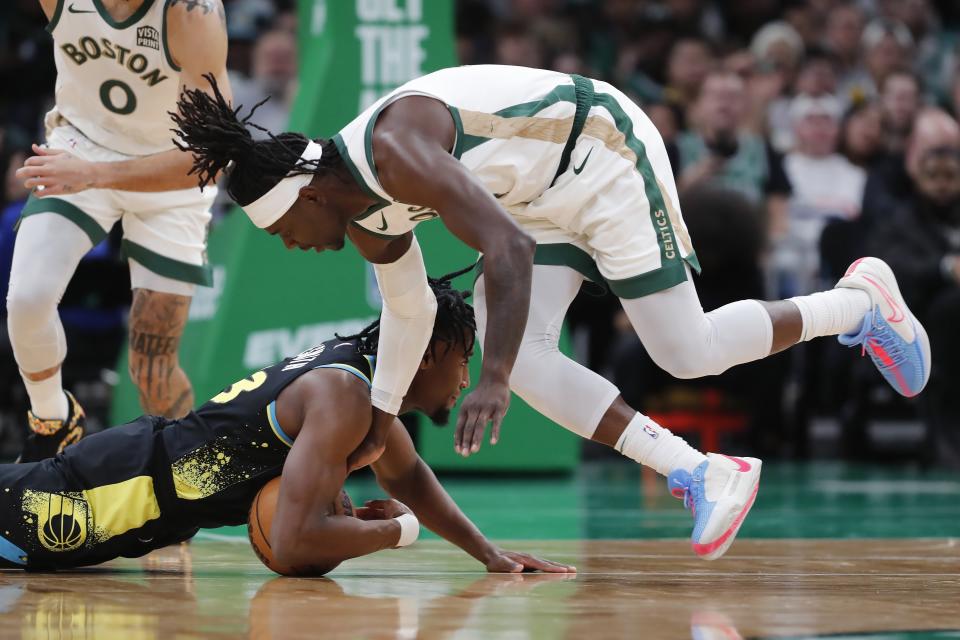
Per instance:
x=719, y=494
x=896, y=341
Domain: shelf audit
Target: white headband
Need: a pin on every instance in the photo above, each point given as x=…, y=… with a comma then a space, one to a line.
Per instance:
x=271, y=206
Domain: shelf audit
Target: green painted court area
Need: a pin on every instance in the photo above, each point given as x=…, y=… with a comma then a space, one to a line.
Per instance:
x=617, y=501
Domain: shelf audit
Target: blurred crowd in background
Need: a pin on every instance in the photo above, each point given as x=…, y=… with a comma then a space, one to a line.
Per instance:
x=802, y=134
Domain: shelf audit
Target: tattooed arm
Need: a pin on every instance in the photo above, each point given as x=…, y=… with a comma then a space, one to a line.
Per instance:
x=197, y=36
x=156, y=324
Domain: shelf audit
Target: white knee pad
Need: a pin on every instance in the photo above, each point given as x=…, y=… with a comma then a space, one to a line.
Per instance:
x=36, y=333
x=561, y=389
x=688, y=343
x=45, y=256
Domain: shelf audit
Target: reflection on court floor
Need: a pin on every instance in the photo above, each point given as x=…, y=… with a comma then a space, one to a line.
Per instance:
x=625, y=589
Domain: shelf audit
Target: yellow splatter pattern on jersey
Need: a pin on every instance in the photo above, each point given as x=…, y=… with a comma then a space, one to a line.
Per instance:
x=215, y=466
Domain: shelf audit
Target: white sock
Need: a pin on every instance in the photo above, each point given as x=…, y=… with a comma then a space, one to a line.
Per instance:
x=47, y=399
x=833, y=312
x=650, y=444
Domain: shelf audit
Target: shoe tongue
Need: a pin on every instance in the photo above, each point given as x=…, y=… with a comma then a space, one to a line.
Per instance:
x=856, y=337
x=678, y=482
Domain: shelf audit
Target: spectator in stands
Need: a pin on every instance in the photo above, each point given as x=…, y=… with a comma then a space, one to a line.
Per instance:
x=517, y=45
x=689, y=62
x=274, y=75
x=900, y=99
x=816, y=77
x=887, y=45
x=889, y=185
x=718, y=150
x=14, y=197
x=842, y=38
x=246, y=20
x=779, y=46
x=920, y=240
x=778, y=50
x=825, y=186
x=953, y=92
x=935, y=48
x=861, y=135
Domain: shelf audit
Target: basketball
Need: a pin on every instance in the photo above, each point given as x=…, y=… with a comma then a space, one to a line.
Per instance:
x=261, y=517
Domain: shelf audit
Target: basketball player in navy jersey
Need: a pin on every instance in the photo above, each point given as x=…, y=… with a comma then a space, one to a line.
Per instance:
x=153, y=482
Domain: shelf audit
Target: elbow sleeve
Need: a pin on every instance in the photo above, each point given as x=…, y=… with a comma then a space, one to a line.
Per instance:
x=406, y=324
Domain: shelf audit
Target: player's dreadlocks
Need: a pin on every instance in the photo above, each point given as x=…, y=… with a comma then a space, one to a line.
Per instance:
x=217, y=136
x=455, y=323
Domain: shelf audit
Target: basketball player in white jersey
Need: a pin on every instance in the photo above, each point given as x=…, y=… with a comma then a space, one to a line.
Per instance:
x=505, y=154
x=109, y=157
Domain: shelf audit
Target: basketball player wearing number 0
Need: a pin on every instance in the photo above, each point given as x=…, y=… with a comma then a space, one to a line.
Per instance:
x=109, y=158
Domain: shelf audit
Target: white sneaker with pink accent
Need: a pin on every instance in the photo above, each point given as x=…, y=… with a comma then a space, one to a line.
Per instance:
x=896, y=342
x=719, y=494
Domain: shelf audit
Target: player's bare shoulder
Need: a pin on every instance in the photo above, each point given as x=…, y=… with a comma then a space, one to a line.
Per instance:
x=49, y=7
x=326, y=390
x=196, y=11
x=197, y=30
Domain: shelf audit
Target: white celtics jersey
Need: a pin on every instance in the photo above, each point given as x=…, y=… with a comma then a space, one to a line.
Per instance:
x=512, y=124
x=116, y=80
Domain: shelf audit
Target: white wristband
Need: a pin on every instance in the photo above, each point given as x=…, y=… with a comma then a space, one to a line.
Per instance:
x=409, y=529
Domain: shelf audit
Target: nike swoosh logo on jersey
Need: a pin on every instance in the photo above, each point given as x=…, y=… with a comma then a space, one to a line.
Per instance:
x=577, y=170
x=72, y=10
x=383, y=219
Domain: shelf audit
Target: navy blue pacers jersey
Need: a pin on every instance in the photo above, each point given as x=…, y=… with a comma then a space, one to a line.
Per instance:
x=134, y=488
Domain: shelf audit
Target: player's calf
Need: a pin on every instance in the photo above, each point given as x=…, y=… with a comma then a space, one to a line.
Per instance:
x=156, y=325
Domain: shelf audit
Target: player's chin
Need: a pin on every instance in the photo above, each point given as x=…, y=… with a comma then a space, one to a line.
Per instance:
x=440, y=417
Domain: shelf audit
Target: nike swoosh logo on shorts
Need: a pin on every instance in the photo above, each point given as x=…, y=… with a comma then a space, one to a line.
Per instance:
x=743, y=464
x=577, y=170
x=383, y=218
x=72, y=10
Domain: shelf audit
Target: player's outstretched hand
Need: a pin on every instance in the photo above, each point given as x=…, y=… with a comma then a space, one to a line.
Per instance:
x=381, y=509
x=55, y=172
x=515, y=562
x=487, y=403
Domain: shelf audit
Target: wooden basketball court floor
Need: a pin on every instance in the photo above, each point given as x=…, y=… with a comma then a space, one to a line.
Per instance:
x=829, y=550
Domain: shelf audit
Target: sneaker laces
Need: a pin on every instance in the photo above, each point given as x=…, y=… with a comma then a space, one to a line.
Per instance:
x=882, y=336
x=680, y=488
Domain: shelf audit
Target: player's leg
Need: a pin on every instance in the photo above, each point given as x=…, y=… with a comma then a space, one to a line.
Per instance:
x=633, y=227
x=640, y=243
x=565, y=391
x=866, y=308
x=46, y=253
x=157, y=319
x=164, y=241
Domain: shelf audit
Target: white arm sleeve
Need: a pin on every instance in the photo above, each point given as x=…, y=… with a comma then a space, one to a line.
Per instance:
x=406, y=324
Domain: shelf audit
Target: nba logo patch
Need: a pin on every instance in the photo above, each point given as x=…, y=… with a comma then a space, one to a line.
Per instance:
x=148, y=37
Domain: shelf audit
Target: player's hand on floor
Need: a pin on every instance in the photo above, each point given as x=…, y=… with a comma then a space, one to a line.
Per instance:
x=381, y=509
x=487, y=403
x=54, y=172
x=515, y=562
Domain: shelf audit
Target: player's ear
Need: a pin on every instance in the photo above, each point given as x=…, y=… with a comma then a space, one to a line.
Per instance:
x=429, y=359
x=311, y=194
